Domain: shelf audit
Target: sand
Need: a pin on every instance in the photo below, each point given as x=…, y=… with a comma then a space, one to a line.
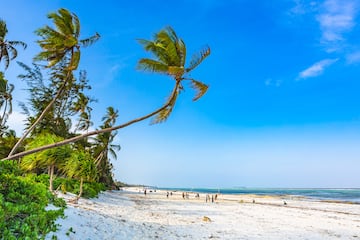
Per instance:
x=129, y=214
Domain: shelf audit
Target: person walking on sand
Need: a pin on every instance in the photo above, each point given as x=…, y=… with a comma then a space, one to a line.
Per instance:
x=145, y=192
x=183, y=195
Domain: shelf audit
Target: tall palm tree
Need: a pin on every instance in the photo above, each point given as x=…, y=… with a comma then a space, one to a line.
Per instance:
x=61, y=49
x=104, y=147
x=5, y=101
x=170, y=55
x=8, y=48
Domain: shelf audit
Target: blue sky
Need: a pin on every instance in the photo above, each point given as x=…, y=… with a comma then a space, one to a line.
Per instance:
x=282, y=110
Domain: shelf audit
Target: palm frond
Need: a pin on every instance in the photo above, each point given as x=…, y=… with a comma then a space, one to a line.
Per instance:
x=199, y=87
x=74, y=61
x=18, y=43
x=13, y=52
x=157, y=49
x=91, y=40
x=197, y=58
x=4, y=55
x=181, y=51
x=3, y=29
x=150, y=65
x=60, y=24
x=164, y=114
x=66, y=20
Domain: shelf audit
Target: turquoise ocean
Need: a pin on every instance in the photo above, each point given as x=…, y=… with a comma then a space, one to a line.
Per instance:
x=336, y=194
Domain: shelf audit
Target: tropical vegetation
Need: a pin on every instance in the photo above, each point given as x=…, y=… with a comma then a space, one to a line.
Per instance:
x=57, y=150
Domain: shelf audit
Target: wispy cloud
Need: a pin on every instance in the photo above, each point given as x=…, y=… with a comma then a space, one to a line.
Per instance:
x=336, y=18
x=111, y=73
x=302, y=7
x=272, y=82
x=353, y=57
x=316, y=69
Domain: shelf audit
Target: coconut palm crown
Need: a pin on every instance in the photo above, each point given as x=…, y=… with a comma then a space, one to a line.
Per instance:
x=169, y=53
x=7, y=48
x=62, y=41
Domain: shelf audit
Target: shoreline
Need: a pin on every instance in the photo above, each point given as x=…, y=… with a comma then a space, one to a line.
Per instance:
x=130, y=214
x=224, y=192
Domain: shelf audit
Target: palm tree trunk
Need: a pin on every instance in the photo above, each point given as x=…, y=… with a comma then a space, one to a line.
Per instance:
x=2, y=120
x=40, y=117
x=77, y=138
x=51, y=174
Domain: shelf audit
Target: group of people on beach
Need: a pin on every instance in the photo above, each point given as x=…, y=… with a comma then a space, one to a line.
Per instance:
x=213, y=198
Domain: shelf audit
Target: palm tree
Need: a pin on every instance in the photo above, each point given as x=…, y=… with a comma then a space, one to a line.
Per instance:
x=5, y=101
x=104, y=147
x=82, y=106
x=81, y=166
x=170, y=55
x=61, y=49
x=7, y=48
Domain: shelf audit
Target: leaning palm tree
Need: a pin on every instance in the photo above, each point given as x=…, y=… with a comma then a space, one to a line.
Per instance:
x=8, y=48
x=170, y=57
x=61, y=50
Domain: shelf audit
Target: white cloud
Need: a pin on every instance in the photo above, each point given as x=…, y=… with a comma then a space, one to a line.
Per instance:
x=16, y=121
x=336, y=18
x=316, y=69
x=302, y=7
x=353, y=57
x=272, y=82
x=111, y=74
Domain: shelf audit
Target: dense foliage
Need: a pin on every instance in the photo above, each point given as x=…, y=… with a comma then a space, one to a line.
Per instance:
x=23, y=202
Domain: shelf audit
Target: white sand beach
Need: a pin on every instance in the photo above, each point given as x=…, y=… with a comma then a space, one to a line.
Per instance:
x=129, y=214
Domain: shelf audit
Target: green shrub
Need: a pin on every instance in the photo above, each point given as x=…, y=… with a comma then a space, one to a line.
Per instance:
x=23, y=203
x=90, y=189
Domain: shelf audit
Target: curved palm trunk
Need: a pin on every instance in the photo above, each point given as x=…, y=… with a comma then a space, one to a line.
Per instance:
x=51, y=174
x=77, y=138
x=58, y=94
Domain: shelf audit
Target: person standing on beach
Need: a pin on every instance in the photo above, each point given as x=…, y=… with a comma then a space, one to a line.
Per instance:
x=145, y=192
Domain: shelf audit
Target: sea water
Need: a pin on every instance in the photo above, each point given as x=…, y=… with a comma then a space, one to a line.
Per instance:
x=336, y=194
